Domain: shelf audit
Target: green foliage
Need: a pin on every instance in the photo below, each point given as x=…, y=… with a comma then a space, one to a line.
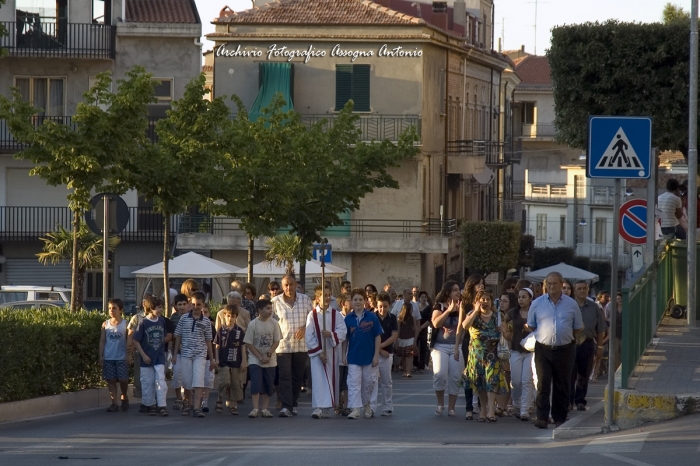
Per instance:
x=491, y=246
x=582, y=262
x=602, y=269
x=547, y=257
x=622, y=69
x=673, y=12
x=527, y=251
x=47, y=352
x=58, y=247
x=3, y=33
x=285, y=249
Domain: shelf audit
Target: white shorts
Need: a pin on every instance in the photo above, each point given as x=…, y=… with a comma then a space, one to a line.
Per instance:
x=209, y=376
x=177, y=380
x=192, y=372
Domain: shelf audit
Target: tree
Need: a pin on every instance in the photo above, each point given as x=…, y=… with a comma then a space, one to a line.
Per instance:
x=58, y=247
x=673, y=12
x=285, y=249
x=491, y=246
x=88, y=154
x=182, y=168
x=3, y=33
x=621, y=69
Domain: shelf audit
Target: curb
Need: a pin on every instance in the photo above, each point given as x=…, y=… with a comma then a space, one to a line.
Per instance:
x=633, y=408
x=570, y=430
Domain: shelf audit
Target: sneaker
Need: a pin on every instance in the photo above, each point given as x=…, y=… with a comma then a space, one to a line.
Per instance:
x=113, y=408
x=439, y=410
x=294, y=411
x=285, y=413
x=254, y=413
x=266, y=413
x=541, y=424
x=524, y=417
x=354, y=414
x=163, y=411
x=581, y=407
x=152, y=410
x=317, y=414
x=368, y=411
x=125, y=404
x=205, y=406
x=143, y=409
x=387, y=412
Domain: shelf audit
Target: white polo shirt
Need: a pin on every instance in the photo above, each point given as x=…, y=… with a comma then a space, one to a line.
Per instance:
x=668, y=203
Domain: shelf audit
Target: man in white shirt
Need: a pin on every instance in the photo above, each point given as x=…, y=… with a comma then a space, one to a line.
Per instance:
x=671, y=208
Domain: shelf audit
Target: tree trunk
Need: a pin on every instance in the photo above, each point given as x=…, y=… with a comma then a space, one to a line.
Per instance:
x=79, y=285
x=166, y=253
x=302, y=273
x=75, y=300
x=251, y=245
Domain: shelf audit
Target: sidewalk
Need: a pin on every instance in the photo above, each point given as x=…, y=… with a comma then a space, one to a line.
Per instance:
x=666, y=382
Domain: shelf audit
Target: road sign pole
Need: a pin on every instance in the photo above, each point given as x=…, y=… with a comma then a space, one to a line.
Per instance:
x=650, y=254
x=610, y=398
x=692, y=163
x=105, y=255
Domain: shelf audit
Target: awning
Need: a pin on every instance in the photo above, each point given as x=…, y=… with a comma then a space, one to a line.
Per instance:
x=274, y=78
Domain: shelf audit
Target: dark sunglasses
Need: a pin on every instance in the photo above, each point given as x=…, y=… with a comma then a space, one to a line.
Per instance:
x=274, y=289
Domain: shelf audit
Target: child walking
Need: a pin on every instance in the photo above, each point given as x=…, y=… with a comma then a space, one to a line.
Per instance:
x=342, y=408
x=262, y=337
x=232, y=359
x=113, y=358
x=390, y=332
x=150, y=339
x=363, y=341
x=179, y=309
x=406, y=343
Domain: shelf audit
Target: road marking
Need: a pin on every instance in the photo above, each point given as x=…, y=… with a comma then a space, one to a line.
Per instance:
x=625, y=459
x=215, y=462
x=630, y=443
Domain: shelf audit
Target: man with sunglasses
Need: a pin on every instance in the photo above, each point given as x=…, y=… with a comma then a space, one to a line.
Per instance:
x=274, y=289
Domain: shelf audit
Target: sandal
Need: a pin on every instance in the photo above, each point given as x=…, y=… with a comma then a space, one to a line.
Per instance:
x=469, y=417
x=113, y=408
x=177, y=406
x=491, y=419
x=439, y=410
x=233, y=411
x=451, y=413
x=198, y=413
x=481, y=419
x=163, y=411
x=499, y=412
x=186, y=409
x=219, y=407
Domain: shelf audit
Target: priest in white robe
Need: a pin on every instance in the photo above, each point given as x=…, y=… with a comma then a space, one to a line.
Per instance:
x=324, y=344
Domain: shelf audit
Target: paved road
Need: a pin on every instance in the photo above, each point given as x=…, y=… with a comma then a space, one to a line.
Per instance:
x=413, y=436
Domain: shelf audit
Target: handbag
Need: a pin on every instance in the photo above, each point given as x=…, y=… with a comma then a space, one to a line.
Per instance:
x=528, y=343
x=503, y=349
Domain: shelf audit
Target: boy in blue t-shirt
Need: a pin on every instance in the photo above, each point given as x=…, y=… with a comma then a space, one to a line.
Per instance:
x=150, y=339
x=363, y=342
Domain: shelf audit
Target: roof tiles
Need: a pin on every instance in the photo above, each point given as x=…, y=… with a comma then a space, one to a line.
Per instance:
x=533, y=70
x=161, y=11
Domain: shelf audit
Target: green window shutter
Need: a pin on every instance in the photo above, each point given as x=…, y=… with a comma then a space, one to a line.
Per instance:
x=360, y=87
x=343, y=85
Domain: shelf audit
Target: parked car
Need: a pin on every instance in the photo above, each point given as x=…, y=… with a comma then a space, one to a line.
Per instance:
x=41, y=304
x=13, y=293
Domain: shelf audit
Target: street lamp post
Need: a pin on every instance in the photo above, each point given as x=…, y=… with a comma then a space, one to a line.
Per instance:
x=692, y=162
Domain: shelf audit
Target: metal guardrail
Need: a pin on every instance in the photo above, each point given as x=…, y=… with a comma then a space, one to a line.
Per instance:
x=8, y=142
x=637, y=299
x=206, y=224
x=31, y=223
x=30, y=37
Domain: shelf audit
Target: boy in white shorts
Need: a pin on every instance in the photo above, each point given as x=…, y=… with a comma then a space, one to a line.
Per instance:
x=179, y=310
x=193, y=339
x=209, y=373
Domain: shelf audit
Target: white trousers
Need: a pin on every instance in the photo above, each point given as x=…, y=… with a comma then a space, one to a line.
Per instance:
x=386, y=384
x=521, y=381
x=446, y=371
x=362, y=380
x=153, y=387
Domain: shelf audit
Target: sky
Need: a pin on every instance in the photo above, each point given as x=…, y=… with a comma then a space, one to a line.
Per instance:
x=515, y=19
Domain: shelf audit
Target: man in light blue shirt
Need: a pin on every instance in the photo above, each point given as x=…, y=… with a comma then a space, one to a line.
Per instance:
x=555, y=320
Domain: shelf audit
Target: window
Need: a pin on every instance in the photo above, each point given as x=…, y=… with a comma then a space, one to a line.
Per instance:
x=541, y=233
x=163, y=91
x=601, y=230
x=528, y=113
x=562, y=228
x=47, y=94
x=352, y=83
x=101, y=10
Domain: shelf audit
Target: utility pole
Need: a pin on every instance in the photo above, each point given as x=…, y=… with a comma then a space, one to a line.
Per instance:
x=536, y=2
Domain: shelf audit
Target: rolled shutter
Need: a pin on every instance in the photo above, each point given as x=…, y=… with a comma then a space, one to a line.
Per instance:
x=360, y=87
x=343, y=85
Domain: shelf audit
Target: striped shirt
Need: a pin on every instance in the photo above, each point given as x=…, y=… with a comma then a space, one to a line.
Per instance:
x=668, y=203
x=194, y=333
x=291, y=319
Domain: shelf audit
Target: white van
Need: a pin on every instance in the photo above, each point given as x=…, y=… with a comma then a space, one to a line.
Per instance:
x=12, y=293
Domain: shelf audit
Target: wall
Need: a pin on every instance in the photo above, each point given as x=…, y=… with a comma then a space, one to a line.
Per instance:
x=7, y=11
x=379, y=269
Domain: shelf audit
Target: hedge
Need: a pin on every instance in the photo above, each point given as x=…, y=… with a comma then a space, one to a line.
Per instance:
x=491, y=246
x=47, y=352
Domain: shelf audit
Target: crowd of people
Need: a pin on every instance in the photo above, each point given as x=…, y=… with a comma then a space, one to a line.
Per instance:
x=529, y=351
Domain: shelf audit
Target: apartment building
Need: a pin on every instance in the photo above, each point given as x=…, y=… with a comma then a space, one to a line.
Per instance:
x=430, y=65
x=55, y=50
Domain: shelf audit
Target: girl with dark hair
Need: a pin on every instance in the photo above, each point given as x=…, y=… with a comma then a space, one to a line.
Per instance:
x=567, y=288
x=508, y=285
x=447, y=361
x=522, y=283
x=406, y=342
x=475, y=283
x=522, y=380
x=484, y=369
x=425, y=308
x=369, y=288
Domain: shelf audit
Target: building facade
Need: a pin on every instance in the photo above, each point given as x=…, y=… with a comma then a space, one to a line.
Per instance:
x=424, y=64
x=55, y=50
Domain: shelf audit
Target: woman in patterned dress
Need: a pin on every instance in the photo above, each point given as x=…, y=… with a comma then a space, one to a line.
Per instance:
x=484, y=371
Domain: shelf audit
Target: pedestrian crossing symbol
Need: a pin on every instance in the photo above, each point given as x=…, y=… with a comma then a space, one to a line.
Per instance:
x=619, y=147
x=619, y=154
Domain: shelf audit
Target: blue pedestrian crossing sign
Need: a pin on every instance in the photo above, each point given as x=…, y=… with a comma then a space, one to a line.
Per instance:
x=619, y=147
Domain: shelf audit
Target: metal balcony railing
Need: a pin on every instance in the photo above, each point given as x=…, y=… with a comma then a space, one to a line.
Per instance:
x=374, y=127
x=8, y=142
x=474, y=148
x=31, y=223
x=207, y=224
x=31, y=36
x=539, y=130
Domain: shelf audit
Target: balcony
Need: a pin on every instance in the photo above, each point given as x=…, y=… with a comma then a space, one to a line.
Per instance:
x=374, y=127
x=29, y=37
x=9, y=143
x=472, y=148
x=549, y=194
x=32, y=223
x=539, y=131
x=356, y=235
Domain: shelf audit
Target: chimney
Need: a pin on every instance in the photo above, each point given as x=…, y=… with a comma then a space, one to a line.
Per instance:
x=439, y=16
x=460, y=13
x=522, y=48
